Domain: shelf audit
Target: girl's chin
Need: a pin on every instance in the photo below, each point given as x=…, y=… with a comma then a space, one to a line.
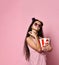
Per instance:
x=36, y=29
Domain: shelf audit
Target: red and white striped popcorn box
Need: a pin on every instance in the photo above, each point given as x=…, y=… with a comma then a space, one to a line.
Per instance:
x=44, y=41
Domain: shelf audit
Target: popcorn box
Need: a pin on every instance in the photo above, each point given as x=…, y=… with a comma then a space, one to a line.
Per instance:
x=44, y=41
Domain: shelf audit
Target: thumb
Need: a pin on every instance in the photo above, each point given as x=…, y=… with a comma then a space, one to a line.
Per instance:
x=30, y=32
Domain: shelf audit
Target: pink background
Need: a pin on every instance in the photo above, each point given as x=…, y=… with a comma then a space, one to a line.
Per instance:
x=15, y=18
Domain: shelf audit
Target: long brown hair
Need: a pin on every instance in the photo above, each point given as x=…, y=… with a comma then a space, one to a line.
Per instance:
x=40, y=33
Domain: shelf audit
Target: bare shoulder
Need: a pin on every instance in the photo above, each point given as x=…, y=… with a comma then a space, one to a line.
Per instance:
x=28, y=39
x=30, y=42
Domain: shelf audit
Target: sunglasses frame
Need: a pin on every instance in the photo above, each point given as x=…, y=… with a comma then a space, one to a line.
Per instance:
x=37, y=24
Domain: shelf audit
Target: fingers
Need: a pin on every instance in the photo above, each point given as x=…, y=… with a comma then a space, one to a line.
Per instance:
x=43, y=48
x=30, y=33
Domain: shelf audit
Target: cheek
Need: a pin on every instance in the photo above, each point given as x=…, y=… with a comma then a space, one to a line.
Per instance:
x=38, y=28
x=33, y=26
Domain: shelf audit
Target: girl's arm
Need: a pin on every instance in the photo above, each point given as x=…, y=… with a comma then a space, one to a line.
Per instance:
x=32, y=44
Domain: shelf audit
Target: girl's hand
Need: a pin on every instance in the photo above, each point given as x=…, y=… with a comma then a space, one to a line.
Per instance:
x=48, y=47
x=32, y=34
x=44, y=48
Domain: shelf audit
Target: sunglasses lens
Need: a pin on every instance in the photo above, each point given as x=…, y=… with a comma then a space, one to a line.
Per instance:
x=37, y=24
